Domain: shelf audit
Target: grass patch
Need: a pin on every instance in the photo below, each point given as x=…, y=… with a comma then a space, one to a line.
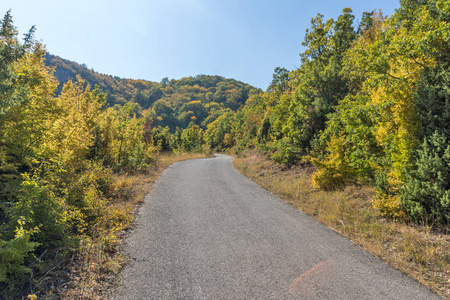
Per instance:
x=419, y=251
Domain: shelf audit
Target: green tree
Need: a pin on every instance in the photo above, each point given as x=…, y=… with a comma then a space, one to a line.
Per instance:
x=11, y=50
x=280, y=81
x=320, y=83
x=426, y=193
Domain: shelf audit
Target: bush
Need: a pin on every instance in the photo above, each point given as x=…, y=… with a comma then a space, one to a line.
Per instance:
x=387, y=200
x=43, y=209
x=13, y=254
x=286, y=153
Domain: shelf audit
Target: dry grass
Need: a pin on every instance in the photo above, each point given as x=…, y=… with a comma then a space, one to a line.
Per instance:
x=93, y=270
x=419, y=251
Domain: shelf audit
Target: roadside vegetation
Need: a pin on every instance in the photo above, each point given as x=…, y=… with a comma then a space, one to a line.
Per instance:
x=368, y=105
x=420, y=251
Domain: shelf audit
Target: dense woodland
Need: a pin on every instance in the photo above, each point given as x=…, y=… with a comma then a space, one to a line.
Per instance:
x=369, y=104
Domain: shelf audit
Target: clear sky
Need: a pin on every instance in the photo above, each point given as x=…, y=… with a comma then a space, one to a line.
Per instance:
x=153, y=39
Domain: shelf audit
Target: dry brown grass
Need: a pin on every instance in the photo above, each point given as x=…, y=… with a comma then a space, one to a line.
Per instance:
x=419, y=251
x=93, y=270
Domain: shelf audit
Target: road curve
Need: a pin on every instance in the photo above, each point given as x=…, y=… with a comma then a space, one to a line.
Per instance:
x=208, y=232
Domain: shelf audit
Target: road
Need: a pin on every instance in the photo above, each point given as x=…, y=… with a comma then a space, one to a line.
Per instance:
x=208, y=232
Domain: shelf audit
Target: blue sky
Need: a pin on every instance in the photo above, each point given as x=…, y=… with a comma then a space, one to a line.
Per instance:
x=153, y=39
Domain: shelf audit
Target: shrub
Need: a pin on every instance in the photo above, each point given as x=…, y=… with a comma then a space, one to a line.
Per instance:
x=13, y=254
x=41, y=208
x=387, y=200
x=286, y=153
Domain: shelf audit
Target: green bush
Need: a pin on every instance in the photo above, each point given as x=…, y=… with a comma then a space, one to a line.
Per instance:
x=286, y=153
x=43, y=209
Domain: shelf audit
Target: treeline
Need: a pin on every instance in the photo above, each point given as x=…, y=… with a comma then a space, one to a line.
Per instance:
x=63, y=144
x=370, y=104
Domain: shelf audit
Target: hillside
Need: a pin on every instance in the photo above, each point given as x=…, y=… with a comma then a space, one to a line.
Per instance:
x=200, y=99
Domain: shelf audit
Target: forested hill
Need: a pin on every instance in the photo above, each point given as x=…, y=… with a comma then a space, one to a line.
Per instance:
x=200, y=99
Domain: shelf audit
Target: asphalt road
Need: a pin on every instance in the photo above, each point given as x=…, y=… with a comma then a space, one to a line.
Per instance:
x=208, y=232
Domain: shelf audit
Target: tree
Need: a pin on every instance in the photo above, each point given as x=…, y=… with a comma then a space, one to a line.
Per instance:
x=11, y=50
x=316, y=40
x=192, y=138
x=320, y=83
x=26, y=125
x=344, y=34
x=164, y=82
x=280, y=81
x=426, y=194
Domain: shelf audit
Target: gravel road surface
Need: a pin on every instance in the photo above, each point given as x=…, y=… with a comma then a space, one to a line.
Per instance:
x=208, y=232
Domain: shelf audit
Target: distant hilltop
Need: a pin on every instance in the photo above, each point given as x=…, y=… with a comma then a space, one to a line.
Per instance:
x=230, y=92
